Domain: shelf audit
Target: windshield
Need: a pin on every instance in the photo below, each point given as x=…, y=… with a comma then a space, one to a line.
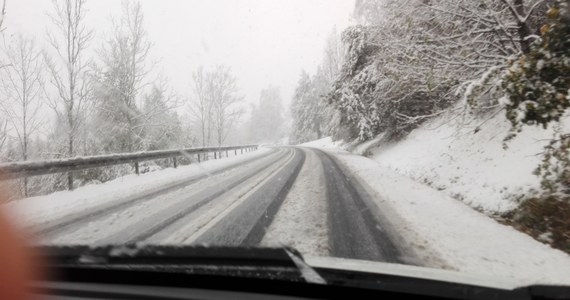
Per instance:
x=424, y=133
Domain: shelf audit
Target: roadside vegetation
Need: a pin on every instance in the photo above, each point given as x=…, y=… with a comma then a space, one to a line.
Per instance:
x=407, y=62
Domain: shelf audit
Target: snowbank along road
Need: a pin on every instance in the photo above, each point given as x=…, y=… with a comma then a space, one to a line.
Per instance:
x=300, y=197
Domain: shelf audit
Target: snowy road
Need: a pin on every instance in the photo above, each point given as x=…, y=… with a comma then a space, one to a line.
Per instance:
x=286, y=196
x=321, y=202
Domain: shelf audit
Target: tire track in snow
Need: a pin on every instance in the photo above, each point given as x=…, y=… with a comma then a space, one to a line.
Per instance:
x=356, y=228
x=185, y=230
x=118, y=221
x=301, y=222
x=163, y=218
x=246, y=223
x=48, y=230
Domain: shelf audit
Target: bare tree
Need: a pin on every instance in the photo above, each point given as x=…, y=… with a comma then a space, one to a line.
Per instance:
x=223, y=90
x=68, y=69
x=215, y=103
x=3, y=122
x=3, y=134
x=201, y=106
x=23, y=83
x=2, y=15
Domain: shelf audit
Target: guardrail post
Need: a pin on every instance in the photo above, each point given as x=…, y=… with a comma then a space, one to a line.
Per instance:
x=70, y=181
x=198, y=157
x=215, y=155
x=241, y=150
x=174, y=162
x=226, y=153
x=26, y=187
x=235, y=151
x=137, y=167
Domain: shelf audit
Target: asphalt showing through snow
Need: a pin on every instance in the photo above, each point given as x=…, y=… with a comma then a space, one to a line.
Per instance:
x=235, y=206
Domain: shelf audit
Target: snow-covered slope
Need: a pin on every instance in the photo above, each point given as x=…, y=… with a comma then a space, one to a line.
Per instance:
x=444, y=232
x=325, y=143
x=447, y=233
x=473, y=167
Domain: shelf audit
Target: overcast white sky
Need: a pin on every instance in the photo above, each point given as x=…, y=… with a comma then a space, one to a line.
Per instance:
x=266, y=42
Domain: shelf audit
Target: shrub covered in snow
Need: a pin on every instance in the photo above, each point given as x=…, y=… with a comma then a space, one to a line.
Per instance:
x=538, y=89
x=538, y=83
x=409, y=61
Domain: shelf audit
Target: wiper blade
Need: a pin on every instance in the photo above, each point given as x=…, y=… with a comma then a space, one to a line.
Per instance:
x=259, y=270
x=310, y=275
x=273, y=263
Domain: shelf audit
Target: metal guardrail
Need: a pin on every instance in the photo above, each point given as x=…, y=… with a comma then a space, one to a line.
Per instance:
x=21, y=169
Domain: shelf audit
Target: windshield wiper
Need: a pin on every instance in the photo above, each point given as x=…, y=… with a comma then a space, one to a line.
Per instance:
x=280, y=271
x=307, y=271
x=274, y=263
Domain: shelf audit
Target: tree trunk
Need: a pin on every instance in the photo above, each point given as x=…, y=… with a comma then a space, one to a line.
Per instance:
x=70, y=174
x=523, y=29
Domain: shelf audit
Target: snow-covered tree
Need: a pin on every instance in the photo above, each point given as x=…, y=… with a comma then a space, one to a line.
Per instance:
x=163, y=129
x=302, y=128
x=333, y=57
x=313, y=117
x=122, y=79
x=419, y=57
x=309, y=110
x=538, y=82
x=538, y=93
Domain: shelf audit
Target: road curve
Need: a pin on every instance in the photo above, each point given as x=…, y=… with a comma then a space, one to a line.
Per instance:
x=236, y=205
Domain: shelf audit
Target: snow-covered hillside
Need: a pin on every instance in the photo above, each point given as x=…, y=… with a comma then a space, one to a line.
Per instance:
x=467, y=165
x=470, y=166
x=444, y=232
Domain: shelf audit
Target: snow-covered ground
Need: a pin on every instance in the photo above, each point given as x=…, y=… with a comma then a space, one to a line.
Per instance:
x=301, y=222
x=36, y=209
x=325, y=143
x=416, y=178
x=464, y=239
x=472, y=167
